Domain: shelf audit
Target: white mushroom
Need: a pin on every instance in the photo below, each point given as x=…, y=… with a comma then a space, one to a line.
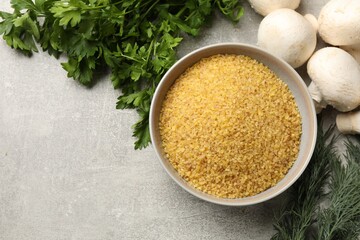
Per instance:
x=339, y=22
x=335, y=79
x=288, y=35
x=348, y=123
x=265, y=7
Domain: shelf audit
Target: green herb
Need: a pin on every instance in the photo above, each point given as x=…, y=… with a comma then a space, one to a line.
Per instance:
x=298, y=214
x=341, y=219
x=136, y=39
x=302, y=217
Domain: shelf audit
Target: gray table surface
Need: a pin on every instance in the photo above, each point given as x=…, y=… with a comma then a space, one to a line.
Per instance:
x=68, y=169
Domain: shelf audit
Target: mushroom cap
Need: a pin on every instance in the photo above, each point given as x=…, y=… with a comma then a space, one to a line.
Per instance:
x=336, y=75
x=265, y=7
x=288, y=35
x=339, y=22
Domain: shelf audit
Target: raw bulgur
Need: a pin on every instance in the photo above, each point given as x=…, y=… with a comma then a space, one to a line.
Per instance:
x=230, y=126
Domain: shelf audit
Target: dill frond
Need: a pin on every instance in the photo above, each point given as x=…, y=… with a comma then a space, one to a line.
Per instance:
x=296, y=218
x=341, y=220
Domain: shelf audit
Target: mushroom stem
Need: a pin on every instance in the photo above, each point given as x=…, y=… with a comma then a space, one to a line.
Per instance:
x=348, y=123
x=312, y=19
x=317, y=97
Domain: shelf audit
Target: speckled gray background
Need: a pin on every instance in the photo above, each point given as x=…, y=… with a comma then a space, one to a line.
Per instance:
x=68, y=170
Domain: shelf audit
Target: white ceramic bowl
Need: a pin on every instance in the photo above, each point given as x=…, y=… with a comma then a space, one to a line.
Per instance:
x=286, y=74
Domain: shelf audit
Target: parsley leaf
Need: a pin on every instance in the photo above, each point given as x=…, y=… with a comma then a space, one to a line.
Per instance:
x=136, y=40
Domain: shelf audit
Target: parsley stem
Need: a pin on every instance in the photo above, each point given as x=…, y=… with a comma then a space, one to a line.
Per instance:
x=181, y=11
x=149, y=51
x=149, y=9
x=130, y=58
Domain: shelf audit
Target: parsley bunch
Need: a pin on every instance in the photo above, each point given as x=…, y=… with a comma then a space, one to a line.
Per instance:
x=136, y=39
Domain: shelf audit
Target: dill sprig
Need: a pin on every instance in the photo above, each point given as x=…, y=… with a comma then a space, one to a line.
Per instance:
x=297, y=215
x=341, y=220
x=302, y=217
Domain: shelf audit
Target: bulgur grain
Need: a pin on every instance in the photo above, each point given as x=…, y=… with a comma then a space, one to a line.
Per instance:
x=230, y=126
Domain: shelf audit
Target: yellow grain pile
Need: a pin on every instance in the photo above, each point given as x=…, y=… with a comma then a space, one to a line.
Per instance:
x=230, y=126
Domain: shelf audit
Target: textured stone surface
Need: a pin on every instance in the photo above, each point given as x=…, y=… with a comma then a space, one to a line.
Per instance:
x=68, y=170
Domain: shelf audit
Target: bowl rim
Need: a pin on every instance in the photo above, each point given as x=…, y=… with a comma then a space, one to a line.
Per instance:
x=214, y=199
